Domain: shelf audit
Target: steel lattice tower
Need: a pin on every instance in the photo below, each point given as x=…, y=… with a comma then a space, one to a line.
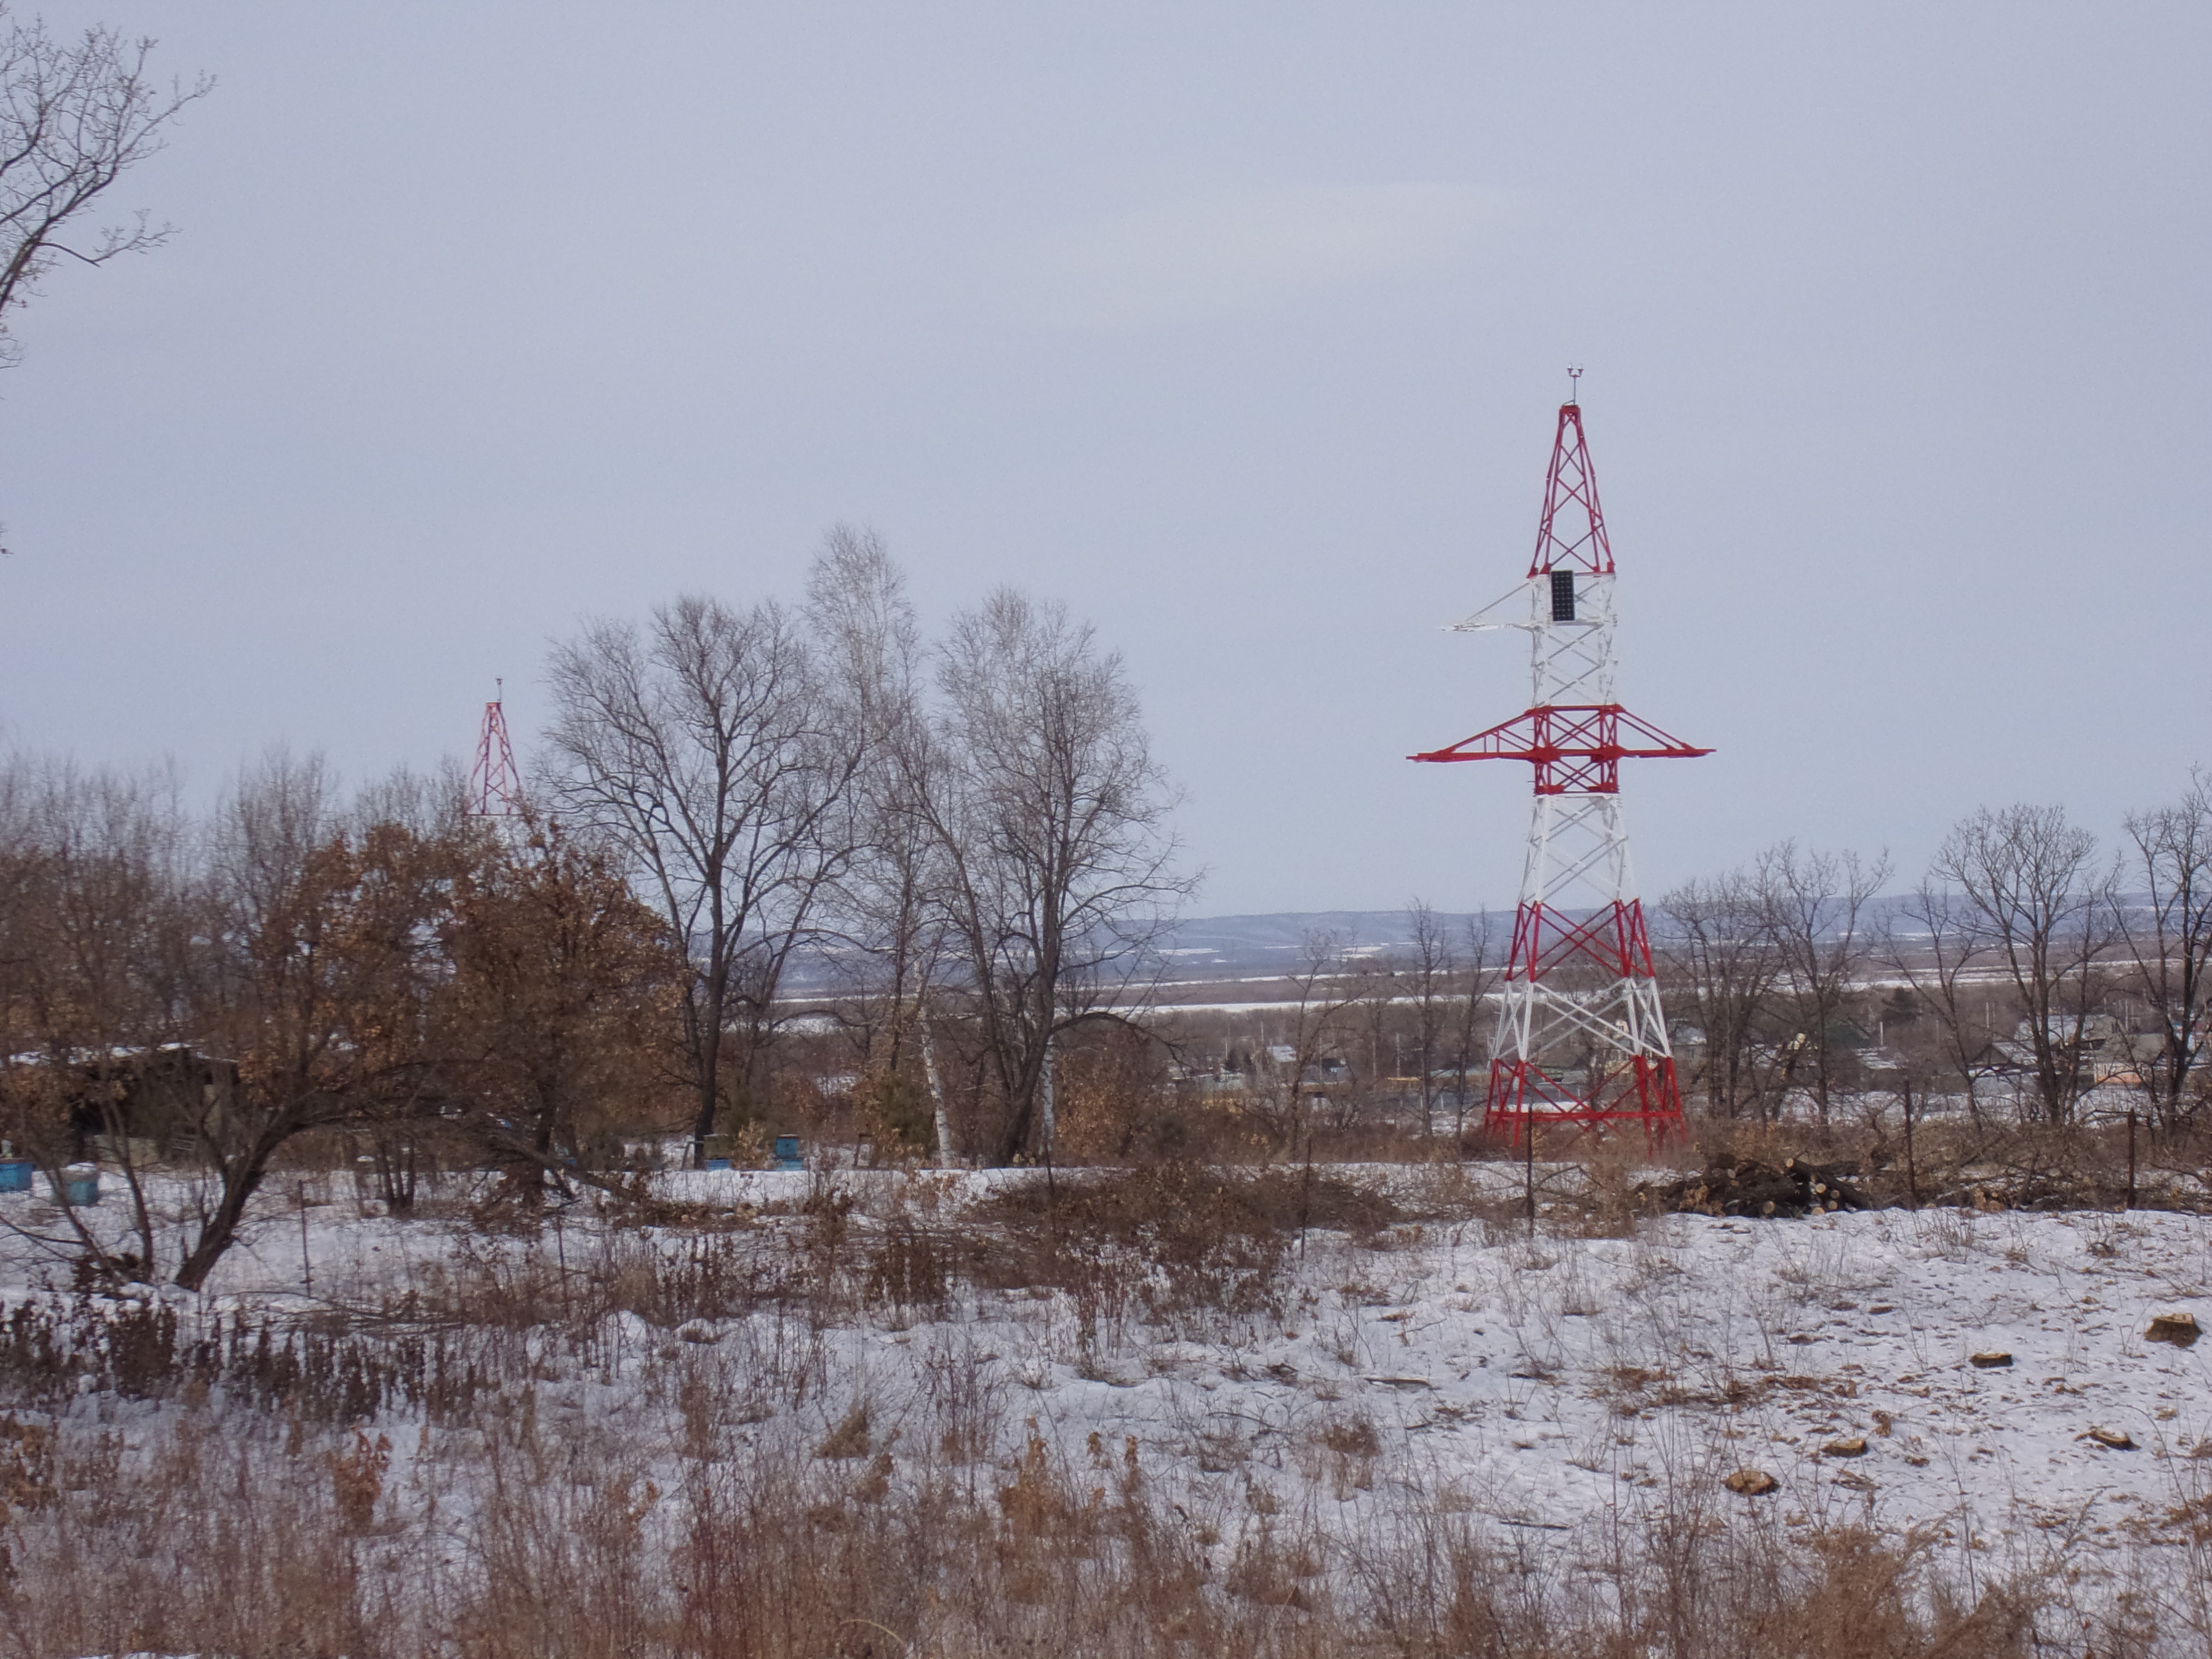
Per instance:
x=495, y=785
x=1581, y=1038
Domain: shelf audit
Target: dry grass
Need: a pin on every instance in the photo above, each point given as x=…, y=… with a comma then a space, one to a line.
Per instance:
x=258, y=1543
x=668, y=1441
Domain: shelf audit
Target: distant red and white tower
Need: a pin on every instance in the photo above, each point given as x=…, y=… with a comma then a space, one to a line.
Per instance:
x=1581, y=1038
x=495, y=785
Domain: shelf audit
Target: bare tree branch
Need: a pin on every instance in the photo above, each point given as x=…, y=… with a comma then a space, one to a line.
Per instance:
x=2169, y=938
x=74, y=118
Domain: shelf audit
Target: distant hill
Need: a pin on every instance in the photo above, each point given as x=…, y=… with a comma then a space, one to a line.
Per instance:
x=1209, y=948
x=1212, y=946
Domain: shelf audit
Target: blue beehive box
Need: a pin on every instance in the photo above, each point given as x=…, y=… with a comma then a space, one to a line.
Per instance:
x=77, y=1185
x=786, y=1153
x=15, y=1175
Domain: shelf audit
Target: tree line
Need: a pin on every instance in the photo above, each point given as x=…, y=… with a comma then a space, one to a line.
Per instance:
x=766, y=844
x=1989, y=980
x=214, y=988
x=968, y=835
x=2026, y=968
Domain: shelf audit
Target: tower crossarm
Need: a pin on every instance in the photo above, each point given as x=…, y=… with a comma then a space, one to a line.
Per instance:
x=1575, y=748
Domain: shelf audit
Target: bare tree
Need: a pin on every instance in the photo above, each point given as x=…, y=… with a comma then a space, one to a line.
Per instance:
x=74, y=118
x=1937, y=943
x=1371, y=983
x=1717, y=937
x=1815, y=905
x=1286, y=1075
x=2028, y=879
x=298, y=935
x=2169, y=937
x=1431, y=968
x=92, y=942
x=1483, y=972
x=1050, y=819
x=704, y=747
x=887, y=941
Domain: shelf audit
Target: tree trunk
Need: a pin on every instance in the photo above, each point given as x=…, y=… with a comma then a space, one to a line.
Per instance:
x=707, y=1040
x=241, y=1181
x=936, y=1092
x=1045, y=1101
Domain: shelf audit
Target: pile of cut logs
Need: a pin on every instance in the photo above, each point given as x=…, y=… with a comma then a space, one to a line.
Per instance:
x=1746, y=1186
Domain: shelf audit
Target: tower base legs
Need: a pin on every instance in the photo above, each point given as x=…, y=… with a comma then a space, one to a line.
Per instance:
x=1642, y=1090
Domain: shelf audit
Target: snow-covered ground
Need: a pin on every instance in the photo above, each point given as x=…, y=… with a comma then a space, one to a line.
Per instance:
x=1555, y=1385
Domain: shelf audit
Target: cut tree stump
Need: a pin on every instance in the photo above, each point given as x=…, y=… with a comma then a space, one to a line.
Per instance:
x=2178, y=1328
x=1989, y=1361
x=1854, y=1446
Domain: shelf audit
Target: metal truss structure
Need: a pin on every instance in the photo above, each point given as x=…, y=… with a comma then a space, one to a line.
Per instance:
x=1581, y=1036
x=495, y=785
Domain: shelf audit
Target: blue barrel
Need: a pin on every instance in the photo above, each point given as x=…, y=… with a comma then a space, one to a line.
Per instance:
x=15, y=1175
x=78, y=1185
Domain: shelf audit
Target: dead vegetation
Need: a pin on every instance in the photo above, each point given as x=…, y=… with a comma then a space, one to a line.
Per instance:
x=1959, y=1161
x=234, y=1525
x=247, y=1546
x=654, y=1441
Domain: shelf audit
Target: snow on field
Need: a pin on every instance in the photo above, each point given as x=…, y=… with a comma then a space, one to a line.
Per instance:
x=1552, y=1385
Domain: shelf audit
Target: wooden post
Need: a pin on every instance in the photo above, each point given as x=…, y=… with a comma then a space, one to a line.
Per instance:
x=2132, y=1157
x=306, y=1265
x=1529, y=1122
x=1304, y=1122
x=1912, y=1175
x=561, y=1255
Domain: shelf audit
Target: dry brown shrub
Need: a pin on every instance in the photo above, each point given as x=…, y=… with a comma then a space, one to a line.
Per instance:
x=849, y=1439
x=357, y=1480
x=26, y=1465
x=1190, y=1243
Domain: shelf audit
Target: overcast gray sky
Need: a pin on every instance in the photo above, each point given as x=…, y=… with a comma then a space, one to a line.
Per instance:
x=1239, y=327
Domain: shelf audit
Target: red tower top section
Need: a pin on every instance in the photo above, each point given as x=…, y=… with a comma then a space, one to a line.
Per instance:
x=1572, y=534
x=495, y=785
x=1574, y=732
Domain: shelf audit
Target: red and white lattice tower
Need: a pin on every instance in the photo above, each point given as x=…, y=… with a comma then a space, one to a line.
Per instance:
x=1581, y=1038
x=495, y=785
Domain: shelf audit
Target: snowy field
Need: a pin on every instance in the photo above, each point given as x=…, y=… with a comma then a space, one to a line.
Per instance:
x=1555, y=1389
